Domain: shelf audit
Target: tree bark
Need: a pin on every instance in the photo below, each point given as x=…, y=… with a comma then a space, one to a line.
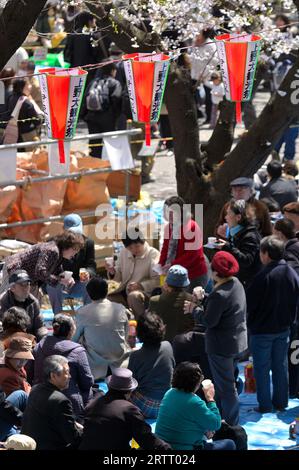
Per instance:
x=254, y=148
x=17, y=18
x=222, y=138
x=183, y=122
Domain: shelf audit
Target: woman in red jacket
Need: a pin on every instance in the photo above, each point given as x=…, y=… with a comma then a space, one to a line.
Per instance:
x=183, y=243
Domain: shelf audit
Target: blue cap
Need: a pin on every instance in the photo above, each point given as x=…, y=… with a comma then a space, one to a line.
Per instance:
x=177, y=276
x=74, y=223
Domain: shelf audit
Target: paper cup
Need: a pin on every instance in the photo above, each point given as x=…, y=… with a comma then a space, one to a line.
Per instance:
x=206, y=384
x=109, y=261
x=212, y=240
x=83, y=274
x=67, y=275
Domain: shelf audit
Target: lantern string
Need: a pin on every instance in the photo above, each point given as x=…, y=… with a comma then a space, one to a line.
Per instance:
x=114, y=61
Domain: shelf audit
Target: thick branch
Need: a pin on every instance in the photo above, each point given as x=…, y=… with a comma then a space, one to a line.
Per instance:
x=16, y=19
x=253, y=150
x=121, y=30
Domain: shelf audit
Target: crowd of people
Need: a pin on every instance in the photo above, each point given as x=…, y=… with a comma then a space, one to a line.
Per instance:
x=196, y=320
x=197, y=314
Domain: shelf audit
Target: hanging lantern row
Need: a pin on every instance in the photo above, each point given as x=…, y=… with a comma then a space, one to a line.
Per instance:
x=238, y=56
x=146, y=76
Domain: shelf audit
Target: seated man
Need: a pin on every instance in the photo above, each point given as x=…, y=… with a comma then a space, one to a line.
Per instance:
x=18, y=295
x=84, y=259
x=103, y=329
x=170, y=304
x=282, y=190
x=48, y=417
x=134, y=271
x=112, y=421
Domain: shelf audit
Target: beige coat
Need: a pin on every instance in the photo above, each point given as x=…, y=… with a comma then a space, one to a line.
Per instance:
x=137, y=269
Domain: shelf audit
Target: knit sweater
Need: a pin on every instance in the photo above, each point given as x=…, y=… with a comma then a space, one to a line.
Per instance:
x=184, y=418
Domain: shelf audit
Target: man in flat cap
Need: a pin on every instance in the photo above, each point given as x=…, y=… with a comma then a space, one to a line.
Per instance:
x=242, y=188
x=18, y=295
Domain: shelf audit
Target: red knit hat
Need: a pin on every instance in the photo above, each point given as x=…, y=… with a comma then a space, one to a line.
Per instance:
x=225, y=264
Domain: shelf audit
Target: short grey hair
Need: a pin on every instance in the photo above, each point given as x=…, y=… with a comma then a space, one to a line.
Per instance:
x=53, y=365
x=273, y=246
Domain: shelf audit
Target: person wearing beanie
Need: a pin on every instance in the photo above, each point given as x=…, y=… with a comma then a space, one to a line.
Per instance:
x=223, y=313
x=170, y=304
x=103, y=328
x=85, y=258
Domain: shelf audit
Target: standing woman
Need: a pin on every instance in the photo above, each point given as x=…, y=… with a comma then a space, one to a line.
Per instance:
x=224, y=316
x=183, y=243
x=243, y=240
x=43, y=261
x=24, y=107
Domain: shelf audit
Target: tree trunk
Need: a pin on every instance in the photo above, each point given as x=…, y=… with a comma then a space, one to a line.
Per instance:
x=254, y=148
x=183, y=122
x=17, y=18
x=222, y=138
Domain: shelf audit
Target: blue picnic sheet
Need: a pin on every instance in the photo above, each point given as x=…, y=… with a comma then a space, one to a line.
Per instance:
x=269, y=431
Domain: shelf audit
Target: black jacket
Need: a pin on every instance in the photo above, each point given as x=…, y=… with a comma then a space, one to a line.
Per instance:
x=84, y=259
x=245, y=246
x=111, y=422
x=280, y=189
x=272, y=299
x=291, y=253
x=31, y=305
x=49, y=420
x=27, y=111
x=8, y=412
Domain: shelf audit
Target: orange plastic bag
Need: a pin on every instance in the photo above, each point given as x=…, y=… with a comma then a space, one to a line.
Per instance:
x=87, y=192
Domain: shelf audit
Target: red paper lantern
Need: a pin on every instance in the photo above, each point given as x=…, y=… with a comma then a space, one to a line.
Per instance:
x=62, y=92
x=146, y=76
x=238, y=55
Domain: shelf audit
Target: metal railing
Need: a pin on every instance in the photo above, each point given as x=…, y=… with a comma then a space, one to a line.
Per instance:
x=29, y=180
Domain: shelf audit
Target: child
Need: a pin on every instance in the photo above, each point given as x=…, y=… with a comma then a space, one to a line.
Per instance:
x=217, y=93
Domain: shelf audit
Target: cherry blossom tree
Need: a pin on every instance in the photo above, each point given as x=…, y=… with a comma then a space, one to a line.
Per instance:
x=168, y=25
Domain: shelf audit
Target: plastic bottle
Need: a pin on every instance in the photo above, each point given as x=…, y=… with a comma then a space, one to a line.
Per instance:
x=250, y=385
x=132, y=333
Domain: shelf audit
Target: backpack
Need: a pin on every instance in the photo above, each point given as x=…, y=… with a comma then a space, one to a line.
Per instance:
x=98, y=95
x=236, y=433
